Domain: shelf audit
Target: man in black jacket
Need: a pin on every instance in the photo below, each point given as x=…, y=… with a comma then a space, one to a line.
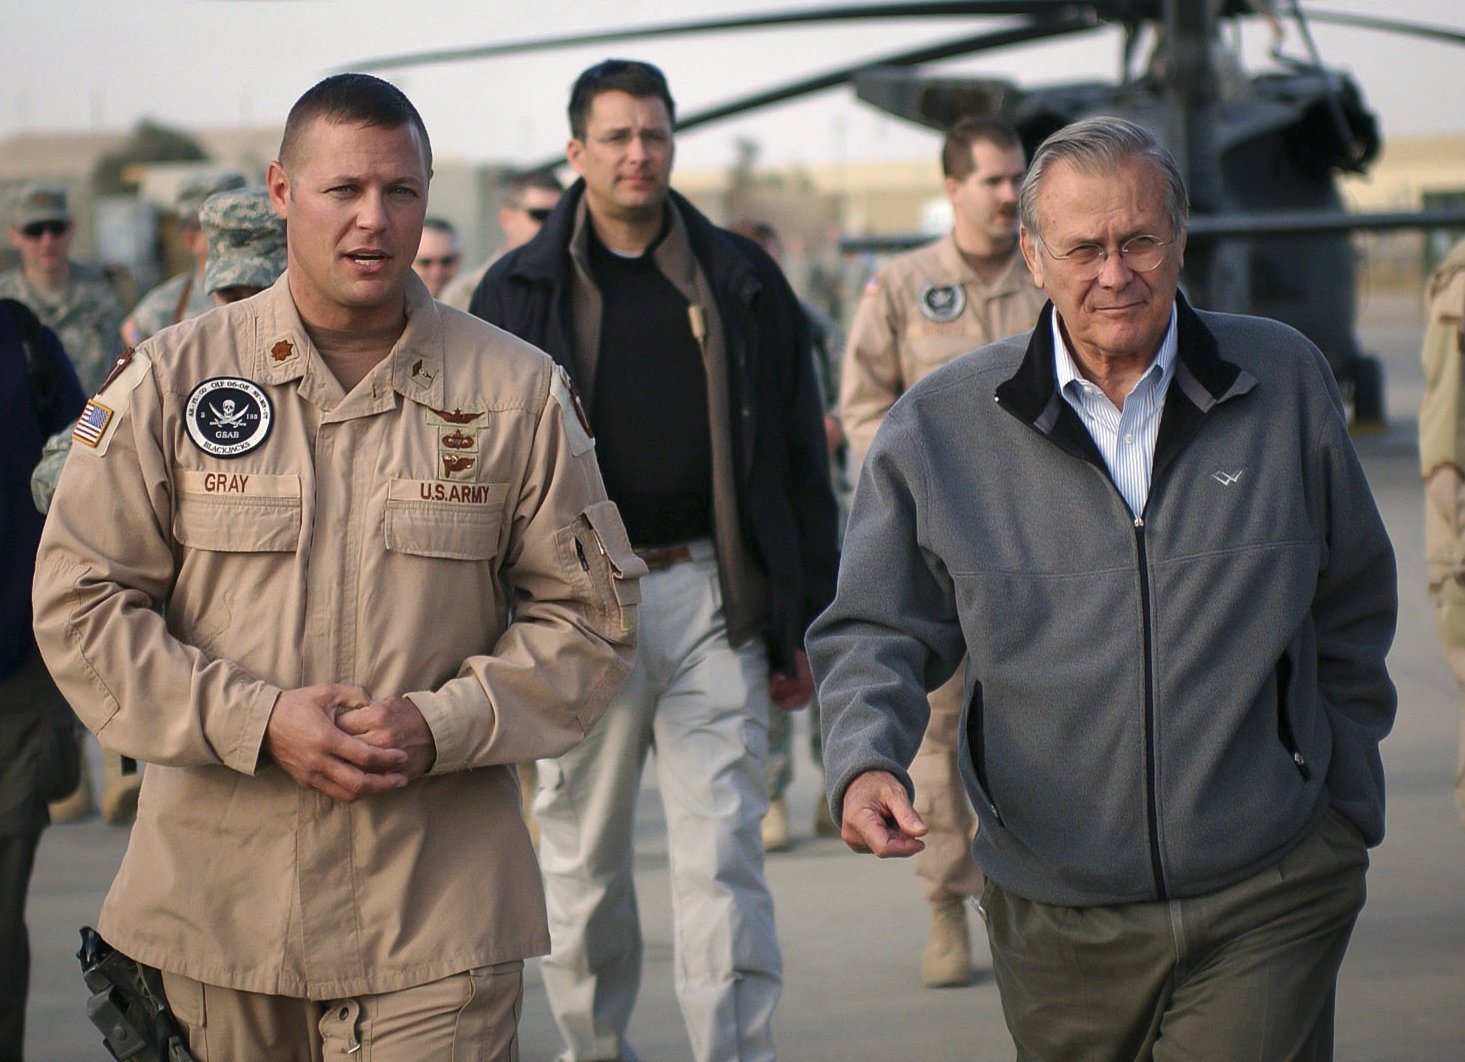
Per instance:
x=691, y=353
x=40, y=394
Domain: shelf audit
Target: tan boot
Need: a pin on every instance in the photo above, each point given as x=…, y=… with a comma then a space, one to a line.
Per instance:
x=775, y=826
x=947, y=960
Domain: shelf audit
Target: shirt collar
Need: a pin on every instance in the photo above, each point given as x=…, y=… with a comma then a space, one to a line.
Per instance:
x=1072, y=382
x=286, y=353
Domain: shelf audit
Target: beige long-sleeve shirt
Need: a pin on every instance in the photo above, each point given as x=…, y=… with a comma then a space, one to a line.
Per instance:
x=920, y=311
x=231, y=525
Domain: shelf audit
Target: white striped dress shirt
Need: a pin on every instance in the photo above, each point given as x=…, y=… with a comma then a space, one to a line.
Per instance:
x=1125, y=437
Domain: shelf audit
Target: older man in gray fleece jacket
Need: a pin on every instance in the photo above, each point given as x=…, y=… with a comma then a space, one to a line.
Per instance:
x=1147, y=529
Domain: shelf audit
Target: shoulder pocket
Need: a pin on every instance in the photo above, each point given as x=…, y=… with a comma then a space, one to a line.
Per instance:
x=453, y=521
x=597, y=545
x=243, y=512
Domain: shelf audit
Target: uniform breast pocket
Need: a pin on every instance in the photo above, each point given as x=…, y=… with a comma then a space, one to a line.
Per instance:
x=237, y=512
x=451, y=521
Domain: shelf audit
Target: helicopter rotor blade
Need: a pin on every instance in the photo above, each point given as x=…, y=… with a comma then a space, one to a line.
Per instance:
x=1033, y=31
x=1421, y=30
x=1038, y=29
x=843, y=13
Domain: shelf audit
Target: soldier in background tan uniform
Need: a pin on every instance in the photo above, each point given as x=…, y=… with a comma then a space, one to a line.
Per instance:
x=280, y=567
x=1442, y=463
x=919, y=312
x=528, y=200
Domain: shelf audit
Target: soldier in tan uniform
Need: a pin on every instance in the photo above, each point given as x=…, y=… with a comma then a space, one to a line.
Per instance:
x=1442, y=463
x=528, y=200
x=919, y=312
x=280, y=567
x=182, y=296
x=74, y=299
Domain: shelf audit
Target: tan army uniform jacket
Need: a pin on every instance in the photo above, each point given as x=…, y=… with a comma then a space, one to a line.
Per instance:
x=920, y=311
x=1442, y=463
x=230, y=525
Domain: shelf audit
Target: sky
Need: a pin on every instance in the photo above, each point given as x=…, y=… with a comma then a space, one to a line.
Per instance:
x=75, y=65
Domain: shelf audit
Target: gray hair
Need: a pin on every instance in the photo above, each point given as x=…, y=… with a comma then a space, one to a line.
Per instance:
x=1098, y=145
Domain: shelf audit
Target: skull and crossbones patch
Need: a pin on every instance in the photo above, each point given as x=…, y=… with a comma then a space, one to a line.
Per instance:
x=227, y=416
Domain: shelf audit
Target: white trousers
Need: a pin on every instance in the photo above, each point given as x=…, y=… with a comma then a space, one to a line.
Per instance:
x=703, y=706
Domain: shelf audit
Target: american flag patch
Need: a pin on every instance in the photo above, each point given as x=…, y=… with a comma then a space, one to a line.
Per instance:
x=92, y=423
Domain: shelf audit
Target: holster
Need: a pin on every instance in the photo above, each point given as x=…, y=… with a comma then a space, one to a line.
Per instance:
x=128, y=1004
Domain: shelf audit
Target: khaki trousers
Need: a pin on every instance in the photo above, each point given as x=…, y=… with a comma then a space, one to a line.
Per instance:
x=467, y=1017
x=945, y=868
x=1249, y=971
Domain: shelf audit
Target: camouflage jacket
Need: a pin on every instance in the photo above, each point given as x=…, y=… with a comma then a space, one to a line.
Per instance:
x=86, y=315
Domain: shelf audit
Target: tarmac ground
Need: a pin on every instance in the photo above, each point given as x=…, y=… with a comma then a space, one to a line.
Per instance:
x=851, y=927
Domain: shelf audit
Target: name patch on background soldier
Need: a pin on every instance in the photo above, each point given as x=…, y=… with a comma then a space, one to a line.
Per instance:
x=942, y=304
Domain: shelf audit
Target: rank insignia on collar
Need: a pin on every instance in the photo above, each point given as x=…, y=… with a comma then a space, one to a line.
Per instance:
x=228, y=416
x=942, y=304
x=284, y=350
x=421, y=374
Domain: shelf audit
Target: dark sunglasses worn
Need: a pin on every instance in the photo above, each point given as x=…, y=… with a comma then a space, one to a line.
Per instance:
x=539, y=214
x=36, y=229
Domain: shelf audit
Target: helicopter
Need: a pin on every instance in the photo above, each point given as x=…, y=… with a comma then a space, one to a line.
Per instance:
x=1260, y=153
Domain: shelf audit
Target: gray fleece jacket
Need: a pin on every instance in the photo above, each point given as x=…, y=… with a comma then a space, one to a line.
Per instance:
x=1155, y=707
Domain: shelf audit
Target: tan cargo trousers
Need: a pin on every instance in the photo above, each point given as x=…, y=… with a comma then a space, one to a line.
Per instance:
x=945, y=868
x=468, y=1017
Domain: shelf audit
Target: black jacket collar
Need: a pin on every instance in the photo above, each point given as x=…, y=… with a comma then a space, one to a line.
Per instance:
x=1202, y=379
x=546, y=258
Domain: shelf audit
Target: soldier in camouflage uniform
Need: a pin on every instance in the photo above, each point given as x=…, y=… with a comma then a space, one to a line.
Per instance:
x=246, y=254
x=1442, y=463
x=181, y=297
x=73, y=299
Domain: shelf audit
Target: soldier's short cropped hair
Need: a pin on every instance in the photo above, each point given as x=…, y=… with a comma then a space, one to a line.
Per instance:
x=1098, y=145
x=520, y=183
x=956, y=149
x=631, y=76
x=355, y=98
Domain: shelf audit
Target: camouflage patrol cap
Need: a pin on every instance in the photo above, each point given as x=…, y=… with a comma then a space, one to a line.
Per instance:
x=40, y=201
x=246, y=240
x=196, y=189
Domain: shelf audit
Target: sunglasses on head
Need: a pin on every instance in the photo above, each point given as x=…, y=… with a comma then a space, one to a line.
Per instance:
x=36, y=229
x=445, y=261
x=539, y=214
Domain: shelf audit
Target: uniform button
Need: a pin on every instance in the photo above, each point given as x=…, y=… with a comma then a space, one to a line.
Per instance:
x=345, y=1013
x=1129, y=440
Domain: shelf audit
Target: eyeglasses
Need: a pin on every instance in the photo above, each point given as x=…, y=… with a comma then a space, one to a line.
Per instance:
x=36, y=229
x=1140, y=253
x=654, y=140
x=445, y=261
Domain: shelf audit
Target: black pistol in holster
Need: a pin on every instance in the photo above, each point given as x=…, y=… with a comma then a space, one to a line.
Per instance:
x=128, y=1005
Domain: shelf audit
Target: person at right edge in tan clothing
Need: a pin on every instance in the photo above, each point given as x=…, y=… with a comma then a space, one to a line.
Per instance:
x=332, y=559
x=1442, y=463
x=923, y=309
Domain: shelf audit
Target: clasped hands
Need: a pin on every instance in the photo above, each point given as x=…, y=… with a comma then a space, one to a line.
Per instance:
x=338, y=740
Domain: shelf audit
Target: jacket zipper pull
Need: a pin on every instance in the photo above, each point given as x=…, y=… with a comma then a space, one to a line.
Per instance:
x=699, y=323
